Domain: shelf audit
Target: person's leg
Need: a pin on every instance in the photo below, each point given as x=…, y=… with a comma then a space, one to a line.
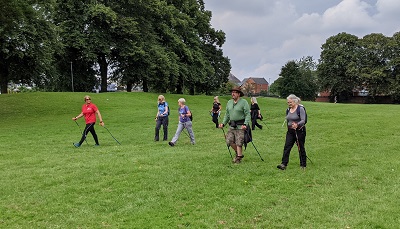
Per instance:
x=93, y=132
x=189, y=128
x=84, y=134
x=157, y=129
x=253, y=123
x=301, y=134
x=215, y=119
x=258, y=125
x=177, y=133
x=239, y=140
x=290, y=140
x=230, y=140
x=165, y=128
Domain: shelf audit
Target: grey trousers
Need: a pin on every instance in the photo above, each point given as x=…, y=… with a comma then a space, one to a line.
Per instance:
x=181, y=126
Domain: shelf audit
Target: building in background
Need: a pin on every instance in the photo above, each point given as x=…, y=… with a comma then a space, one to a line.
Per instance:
x=254, y=86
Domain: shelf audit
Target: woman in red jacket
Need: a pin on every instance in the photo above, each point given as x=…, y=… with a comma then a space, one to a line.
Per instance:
x=89, y=110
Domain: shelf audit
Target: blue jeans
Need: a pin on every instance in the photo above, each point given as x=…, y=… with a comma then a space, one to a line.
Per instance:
x=181, y=126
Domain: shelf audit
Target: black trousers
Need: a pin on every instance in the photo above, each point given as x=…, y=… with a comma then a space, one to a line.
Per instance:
x=291, y=139
x=254, y=123
x=215, y=119
x=164, y=122
x=89, y=128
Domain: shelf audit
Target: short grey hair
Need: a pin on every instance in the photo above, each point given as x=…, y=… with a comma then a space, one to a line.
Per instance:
x=254, y=99
x=182, y=100
x=294, y=98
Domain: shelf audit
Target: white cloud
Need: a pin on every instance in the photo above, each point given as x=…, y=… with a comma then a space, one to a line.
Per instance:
x=348, y=15
x=262, y=36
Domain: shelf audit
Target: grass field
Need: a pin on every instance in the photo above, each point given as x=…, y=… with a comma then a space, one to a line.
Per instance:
x=46, y=182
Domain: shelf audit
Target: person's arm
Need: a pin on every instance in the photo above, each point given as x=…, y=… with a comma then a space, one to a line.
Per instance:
x=302, y=117
x=75, y=118
x=101, y=119
x=247, y=116
x=165, y=111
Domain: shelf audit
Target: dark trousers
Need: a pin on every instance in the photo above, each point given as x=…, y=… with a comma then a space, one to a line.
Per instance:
x=89, y=128
x=254, y=123
x=291, y=139
x=164, y=122
x=215, y=119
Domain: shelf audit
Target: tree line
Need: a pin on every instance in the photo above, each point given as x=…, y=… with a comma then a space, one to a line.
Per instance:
x=64, y=45
x=347, y=64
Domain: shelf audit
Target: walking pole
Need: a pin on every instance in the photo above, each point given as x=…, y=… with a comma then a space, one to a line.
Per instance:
x=112, y=135
x=81, y=131
x=227, y=145
x=251, y=140
x=298, y=147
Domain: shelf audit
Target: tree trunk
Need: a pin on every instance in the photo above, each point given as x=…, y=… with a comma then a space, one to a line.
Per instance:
x=129, y=86
x=3, y=77
x=103, y=71
x=145, y=86
x=179, y=86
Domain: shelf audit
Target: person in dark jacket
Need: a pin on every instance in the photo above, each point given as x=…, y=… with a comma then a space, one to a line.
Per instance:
x=215, y=111
x=255, y=113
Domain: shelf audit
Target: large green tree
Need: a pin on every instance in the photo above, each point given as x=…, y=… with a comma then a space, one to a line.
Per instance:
x=27, y=42
x=338, y=70
x=394, y=65
x=375, y=71
x=297, y=77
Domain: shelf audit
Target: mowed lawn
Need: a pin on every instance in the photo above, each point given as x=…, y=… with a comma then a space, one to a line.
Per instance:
x=352, y=182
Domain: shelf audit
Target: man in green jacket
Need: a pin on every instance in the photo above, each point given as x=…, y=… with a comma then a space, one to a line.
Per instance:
x=238, y=116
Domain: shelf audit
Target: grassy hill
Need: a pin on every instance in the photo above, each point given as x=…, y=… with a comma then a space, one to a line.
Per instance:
x=48, y=183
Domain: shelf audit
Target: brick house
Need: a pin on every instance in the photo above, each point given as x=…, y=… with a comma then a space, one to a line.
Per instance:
x=254, y=86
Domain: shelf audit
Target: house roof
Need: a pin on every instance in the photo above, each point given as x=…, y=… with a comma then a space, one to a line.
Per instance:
x=256, y=80
x=233, y=79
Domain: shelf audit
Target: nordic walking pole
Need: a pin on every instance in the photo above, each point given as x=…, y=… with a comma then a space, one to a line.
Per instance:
x=227, y=145
x=81, y=131
x=251, y=140
x=298, y=147
x=112, y=135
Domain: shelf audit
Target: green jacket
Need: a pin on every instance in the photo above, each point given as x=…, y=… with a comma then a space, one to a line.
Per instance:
x=238, y=111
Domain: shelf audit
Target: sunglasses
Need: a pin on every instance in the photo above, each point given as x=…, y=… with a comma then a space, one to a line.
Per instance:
x=88, y=99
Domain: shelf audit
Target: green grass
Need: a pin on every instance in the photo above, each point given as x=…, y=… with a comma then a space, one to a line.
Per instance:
x=48, y=183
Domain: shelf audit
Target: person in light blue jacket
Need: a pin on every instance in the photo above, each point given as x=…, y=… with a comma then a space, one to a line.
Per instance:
x=162, y=118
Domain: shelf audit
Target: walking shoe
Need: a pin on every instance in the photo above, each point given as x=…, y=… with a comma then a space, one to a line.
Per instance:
x=171, y=144
x=303, y=168
x=281, y=167
x=96, y=144
x=238, y=159
x=76, y=145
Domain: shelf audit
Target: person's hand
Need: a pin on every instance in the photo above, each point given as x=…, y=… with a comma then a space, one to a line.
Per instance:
x=101, y=123
x=244, y=127
x=294, y=125
x=221, y=125
x=74, y=118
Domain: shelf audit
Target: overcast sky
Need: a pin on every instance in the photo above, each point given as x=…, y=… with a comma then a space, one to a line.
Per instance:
x=263, y=35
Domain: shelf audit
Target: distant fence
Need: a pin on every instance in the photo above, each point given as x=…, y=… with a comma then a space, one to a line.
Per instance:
x=361, y=99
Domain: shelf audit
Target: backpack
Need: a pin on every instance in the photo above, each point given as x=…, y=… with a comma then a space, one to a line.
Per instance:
x=298, y=112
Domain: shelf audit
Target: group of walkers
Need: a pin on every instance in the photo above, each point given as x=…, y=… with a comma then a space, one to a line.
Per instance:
x=238, y=116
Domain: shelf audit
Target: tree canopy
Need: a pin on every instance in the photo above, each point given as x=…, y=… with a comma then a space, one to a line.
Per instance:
x=165, y=46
